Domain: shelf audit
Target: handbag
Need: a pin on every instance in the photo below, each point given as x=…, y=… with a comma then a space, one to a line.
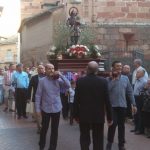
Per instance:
x=29, y=107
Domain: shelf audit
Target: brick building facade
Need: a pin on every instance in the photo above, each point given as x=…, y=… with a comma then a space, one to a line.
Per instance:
x=8, y=51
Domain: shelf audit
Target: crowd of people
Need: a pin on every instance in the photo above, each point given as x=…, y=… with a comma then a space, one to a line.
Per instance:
x=83, y=97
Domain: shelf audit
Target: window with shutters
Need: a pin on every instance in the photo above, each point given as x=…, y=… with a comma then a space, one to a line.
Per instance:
x=9, y=56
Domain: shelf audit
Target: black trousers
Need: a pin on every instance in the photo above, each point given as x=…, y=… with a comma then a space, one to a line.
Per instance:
x=97, y=135
x=54, y=129
x=21, y=101
x=129, y=109
x=119, y=114
x=138, y=119
x=65, y=104
x=71, y=112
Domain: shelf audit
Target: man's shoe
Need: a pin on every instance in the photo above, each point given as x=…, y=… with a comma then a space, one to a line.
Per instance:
x=139, y=133
x=11, y=110
x=41, y=148
x=25, y=117
x=133, y=130
x=148, y=136
x=122, y=148
x=19, y=117
x=108, y=146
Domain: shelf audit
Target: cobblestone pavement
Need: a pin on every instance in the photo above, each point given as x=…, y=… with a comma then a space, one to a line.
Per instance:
x=21, y=135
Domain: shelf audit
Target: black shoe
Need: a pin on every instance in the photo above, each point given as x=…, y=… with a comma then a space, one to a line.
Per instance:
x=41, y=148
x=19, y=117
x=25, y=117
x=122, y=148
x=148, y=136
x=11, y=110
x=138, y=133
x=133, y=130
x=108, y=146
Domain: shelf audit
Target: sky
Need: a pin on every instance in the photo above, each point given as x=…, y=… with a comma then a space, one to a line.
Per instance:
x=10, y=18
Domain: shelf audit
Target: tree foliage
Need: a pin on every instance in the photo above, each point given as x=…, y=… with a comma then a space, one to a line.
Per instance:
x=61, y=36
x=88, y=36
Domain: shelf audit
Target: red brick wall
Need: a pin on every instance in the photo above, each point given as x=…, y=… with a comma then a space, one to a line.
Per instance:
x=101, y=10
x=129, y=37
x=124, y=10
x=32, y=7
x=119, y=10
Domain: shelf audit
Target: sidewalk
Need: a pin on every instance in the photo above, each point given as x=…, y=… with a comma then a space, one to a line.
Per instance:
x=21, y=135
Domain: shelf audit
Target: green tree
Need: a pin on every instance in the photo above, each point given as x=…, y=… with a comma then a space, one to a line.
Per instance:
x=61, y=36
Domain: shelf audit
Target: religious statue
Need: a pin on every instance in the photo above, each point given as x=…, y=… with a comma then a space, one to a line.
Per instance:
x=74, y=24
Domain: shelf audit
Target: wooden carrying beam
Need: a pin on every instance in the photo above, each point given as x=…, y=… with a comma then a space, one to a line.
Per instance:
x=75, y=64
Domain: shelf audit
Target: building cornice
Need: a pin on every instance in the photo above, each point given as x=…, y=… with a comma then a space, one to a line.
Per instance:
x=123, y=24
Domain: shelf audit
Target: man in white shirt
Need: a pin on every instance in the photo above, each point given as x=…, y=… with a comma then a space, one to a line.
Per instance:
x=138, y=66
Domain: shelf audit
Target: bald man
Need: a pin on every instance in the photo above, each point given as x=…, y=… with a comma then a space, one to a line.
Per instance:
x=138, y=87
x=48, y=104
x=91, y=101
x=126, y=70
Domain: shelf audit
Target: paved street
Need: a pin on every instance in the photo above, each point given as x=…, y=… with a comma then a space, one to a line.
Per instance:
x=21, y=135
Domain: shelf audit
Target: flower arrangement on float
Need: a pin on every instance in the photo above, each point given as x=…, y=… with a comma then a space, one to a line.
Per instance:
x=75, y=51
x=79, y=51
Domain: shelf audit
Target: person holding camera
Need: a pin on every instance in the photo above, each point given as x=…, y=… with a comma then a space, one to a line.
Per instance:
x=119, y=86
x=48, y=104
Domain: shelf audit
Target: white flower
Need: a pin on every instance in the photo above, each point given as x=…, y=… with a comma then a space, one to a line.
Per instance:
x=85, y=53
x=68, y=50
x=96, y=47
x=87, y=50
x=53, y=48
x=73, y=46
x=85, y=47
x=98, y=54
x=50, y=53
x=74, y=52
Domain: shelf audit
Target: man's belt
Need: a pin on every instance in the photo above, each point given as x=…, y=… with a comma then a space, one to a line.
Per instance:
x=8, y=84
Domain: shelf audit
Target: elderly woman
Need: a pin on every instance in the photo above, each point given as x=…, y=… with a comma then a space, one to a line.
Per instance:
x=146, y=108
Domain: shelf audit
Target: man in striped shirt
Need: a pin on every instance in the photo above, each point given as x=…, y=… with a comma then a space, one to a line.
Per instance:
x=8, y=90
